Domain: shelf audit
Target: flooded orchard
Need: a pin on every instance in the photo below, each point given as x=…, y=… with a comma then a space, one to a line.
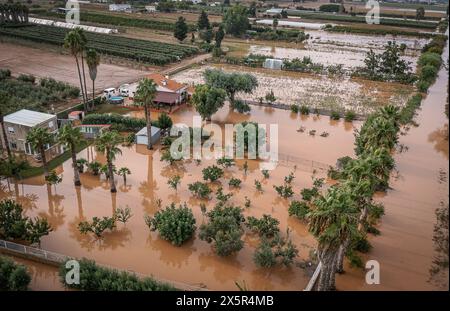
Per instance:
x=133, y=247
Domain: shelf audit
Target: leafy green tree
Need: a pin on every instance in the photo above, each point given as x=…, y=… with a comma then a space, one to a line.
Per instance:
x=200, y=190
x=176, y=225
x=207, y=35
x=203, y=21
x=299, y=209
x=13, y=277
x=94, y=167
x=236, y=20
x=145, y=94
x=53, y=179
x=420, y=13
x=40, y=138
x=207, y=100
x=225, y=162
x=212, y=173
x=108, y=143
x=232, y=83
x=220, y=34
x=275, y=250
x=164, y=121
x=36, y=229
x=181, y=29
x=71, y=136
x=224, y=229
x=266, y=226
x=222, y=197
x=284, y=191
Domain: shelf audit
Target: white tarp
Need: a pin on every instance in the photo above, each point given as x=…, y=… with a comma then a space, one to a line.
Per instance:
x=292, y=24
x=49, y=22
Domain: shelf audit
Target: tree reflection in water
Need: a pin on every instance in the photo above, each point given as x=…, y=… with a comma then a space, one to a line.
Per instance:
x=55, y=215
x=439, y=269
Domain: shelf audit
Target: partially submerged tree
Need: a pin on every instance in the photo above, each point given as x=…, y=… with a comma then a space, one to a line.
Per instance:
x=207, y=100
x=145, y=94
x=39, y=138
x=108, y=143
x=71, y=136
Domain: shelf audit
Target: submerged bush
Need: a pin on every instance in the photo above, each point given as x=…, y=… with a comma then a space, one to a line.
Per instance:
x=13, y=277
x=174, y=224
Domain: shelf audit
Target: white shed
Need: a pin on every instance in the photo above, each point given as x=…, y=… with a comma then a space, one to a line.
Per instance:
x=273, y=63
x=141, y=136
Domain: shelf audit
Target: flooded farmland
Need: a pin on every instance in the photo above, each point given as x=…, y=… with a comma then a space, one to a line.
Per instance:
x=133, y=247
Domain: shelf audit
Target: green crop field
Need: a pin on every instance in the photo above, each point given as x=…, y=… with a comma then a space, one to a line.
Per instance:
x=151, y=52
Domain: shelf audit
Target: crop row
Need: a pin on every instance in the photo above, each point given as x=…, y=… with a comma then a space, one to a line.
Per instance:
x=151, y=52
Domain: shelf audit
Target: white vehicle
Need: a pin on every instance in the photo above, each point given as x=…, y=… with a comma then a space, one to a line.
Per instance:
x=107, y=93
x=124, y=90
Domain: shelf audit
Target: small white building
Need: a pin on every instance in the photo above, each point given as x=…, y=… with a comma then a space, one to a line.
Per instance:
x=142, y=139
x=272, y=63
x=150, y=8
x=120, y=7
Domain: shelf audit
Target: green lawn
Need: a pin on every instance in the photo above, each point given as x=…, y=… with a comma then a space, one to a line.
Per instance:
x=54, y=163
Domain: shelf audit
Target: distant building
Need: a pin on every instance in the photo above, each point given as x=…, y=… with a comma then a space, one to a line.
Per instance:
x=273, y=12
x=271, y=63
x=91, y=131
x=120, y=7
x=19, y=124
x=142, y=139
x=150, y=8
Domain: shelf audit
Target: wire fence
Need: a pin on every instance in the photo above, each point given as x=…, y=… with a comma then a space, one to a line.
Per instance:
x=38, y=253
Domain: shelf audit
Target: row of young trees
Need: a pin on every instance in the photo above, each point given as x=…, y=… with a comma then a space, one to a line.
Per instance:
x=13, y=13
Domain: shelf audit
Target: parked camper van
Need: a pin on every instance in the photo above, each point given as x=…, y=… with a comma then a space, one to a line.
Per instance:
x=107, y=93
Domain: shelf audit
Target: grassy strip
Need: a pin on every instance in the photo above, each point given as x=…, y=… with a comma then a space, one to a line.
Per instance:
x=371, y=31
x=96, y=278
x=54, y=163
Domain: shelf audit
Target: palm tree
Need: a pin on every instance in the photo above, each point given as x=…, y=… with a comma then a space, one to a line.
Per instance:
x=333, y=221
x=124, y=171
x=108, y=143
x=71, y=136
x=92, y=60
x=145, y=93
x=39, y=138
x=75, y=42
x=2, y=125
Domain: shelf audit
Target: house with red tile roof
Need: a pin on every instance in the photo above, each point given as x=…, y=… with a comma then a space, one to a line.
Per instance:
x=169, y=92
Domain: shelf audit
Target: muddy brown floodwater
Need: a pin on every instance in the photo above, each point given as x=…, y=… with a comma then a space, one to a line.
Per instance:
x=405, y=248
x=133, y=247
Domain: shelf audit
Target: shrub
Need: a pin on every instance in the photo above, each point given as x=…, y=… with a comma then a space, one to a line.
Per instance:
x=275, y=251
x=349, y=116
x=294, y=108
x=235, y=182
x=304, y=110
x=285, y=191
x=334, y=115
x=224, y=229
x=27, y=78
x=5, y=73
x=309, y=193
x=13, y=277
x=266, y=226
x=423, y=86
x=225, y=162
x=122, y=214
x=212, y=173
x=298, y=209
x=241, y=106
x=176, y=225
x=97, y=225
x=96, y=278
x=200, y=190
x=117, y=121
x=222, y=197
x=428, y=73
x=430, y=58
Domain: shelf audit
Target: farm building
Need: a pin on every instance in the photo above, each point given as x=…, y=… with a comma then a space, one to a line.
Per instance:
x=18, y=124
x=142, y=139
x=169, y=92
x=150, y=8
x=91, y=131
x=271, y=63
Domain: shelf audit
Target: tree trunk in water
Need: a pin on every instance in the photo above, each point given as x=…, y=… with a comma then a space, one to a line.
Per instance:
x=5, y=138
x=93, y=94
x=341, y=255
x=76, y=173
x=111, y=173
x=362, y=218
x=326, y=278
x=81, y=83
x=125, y=179
x=84, y=79
x=149, y=127
x=44, y=161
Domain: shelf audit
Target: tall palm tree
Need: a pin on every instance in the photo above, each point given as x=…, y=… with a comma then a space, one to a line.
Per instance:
x=333, y=221
x=39, y=138
x=71, y=136
x=92, y=60
x=3, y=100
x=75, y=43
x=145, y=94
x=108, y=143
